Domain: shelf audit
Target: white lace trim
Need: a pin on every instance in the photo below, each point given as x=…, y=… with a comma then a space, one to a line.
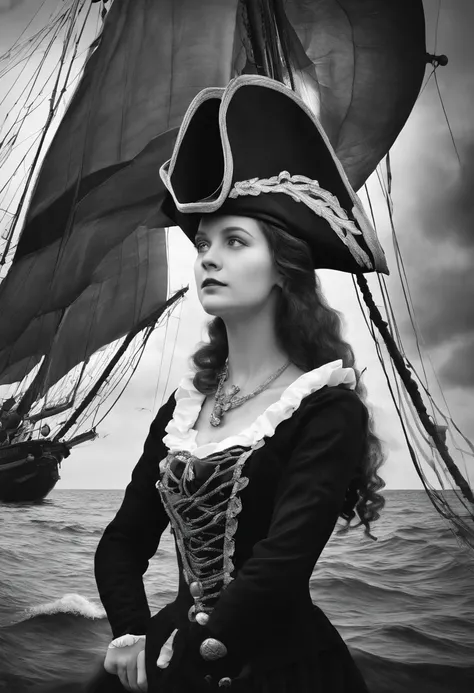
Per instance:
x=182, y=436
x=126, y=640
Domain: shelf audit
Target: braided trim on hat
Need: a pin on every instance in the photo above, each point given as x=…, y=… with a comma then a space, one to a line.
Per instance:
x=320, y=201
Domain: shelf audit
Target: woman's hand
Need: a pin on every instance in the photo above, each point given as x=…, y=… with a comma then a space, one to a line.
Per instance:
x=128, y=663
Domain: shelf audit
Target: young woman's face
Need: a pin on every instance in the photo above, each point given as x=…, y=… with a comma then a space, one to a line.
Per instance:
x=234, y=251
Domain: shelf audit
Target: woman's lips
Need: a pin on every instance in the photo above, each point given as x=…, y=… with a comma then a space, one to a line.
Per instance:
x=211, y=282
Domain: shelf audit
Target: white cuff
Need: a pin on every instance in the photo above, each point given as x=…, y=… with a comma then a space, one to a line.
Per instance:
x=166, y=652
x=126, y=640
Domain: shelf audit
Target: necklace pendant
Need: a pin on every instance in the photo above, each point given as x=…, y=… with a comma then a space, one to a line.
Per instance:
x=223, y=402
x=215, y=420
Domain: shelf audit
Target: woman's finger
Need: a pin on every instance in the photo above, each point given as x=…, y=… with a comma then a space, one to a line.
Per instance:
x=110, y=665
x=142, y=683
x=132, y=674
x=122, y=674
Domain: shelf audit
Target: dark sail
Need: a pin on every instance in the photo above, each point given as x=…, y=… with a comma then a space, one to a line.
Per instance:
x=359, y=65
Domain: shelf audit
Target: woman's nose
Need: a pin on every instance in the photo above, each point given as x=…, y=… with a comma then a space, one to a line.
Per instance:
x=210, y=258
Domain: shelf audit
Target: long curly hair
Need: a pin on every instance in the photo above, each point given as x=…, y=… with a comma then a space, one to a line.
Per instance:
x=310, y=333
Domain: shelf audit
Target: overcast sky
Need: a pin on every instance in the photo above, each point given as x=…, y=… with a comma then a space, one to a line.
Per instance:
x=434, y=217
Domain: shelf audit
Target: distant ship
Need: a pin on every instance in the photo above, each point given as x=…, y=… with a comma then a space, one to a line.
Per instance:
x=29, y=471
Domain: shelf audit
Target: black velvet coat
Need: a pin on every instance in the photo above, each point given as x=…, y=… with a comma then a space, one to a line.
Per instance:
x=265, y=617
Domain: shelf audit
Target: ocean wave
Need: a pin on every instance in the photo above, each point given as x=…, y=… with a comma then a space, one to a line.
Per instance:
x=8, y=555
x=356, y=588
x=72, y=528
x=413, y=635
x=426, y=549
x=74, y=604
x=389, y=675
x=427, y=532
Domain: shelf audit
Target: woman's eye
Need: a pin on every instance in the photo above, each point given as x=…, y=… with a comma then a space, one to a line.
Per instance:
x=199, y=245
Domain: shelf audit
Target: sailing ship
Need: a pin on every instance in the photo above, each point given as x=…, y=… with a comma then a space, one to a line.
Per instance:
x=84, y=259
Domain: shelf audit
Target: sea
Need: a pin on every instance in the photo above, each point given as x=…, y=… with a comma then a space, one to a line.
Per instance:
x=404, y=604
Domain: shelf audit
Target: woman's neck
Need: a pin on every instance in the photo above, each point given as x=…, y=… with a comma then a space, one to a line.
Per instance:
x=254, y=352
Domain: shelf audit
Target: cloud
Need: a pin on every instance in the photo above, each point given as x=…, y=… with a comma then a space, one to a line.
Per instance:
x=449, y=210
x=437, y=240
x=446, y=299
x=7, y=5
x=459, y=367
x=435, y=202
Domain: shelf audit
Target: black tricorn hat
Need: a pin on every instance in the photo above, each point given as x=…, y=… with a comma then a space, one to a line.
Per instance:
x=255, y=149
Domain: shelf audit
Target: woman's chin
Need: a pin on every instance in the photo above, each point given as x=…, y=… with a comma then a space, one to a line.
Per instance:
x=214, y=311
x=217, y=308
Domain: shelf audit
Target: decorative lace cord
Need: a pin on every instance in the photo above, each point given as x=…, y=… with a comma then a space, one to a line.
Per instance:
x=189, y=529
x=320, y=201
x=194, y=535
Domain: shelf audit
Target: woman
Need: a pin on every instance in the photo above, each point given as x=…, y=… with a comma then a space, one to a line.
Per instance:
x=260, y=450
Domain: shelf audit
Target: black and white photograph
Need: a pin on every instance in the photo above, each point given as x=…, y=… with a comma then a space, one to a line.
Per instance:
x=236, y=346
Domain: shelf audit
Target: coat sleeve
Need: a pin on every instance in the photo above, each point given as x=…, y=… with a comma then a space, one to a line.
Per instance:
x=329, y=444
x=133, y=536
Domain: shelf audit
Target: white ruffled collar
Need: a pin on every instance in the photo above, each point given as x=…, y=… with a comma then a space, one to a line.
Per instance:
x=182, y=436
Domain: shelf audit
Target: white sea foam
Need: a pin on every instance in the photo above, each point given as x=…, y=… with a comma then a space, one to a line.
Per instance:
x=69, y=604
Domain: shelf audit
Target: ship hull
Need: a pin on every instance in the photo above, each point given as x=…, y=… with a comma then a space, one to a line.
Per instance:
x=28, y=472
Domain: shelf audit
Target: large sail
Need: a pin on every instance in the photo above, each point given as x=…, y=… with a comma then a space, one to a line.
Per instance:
x=99, y=180
x=98, y=187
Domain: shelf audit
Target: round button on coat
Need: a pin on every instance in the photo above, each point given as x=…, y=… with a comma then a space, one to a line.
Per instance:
x=225, y=682
x=202, y=618
x=212, y=649
x=196, y=589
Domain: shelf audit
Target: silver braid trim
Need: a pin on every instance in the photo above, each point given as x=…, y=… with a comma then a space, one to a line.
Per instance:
x=320, y=201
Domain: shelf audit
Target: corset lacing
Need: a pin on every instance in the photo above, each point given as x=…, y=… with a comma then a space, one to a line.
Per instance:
x=203, y=511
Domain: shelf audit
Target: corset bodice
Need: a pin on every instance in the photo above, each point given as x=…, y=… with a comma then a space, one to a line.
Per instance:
x=201, y=498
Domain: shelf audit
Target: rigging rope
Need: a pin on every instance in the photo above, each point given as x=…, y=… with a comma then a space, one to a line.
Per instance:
x=457, y=525
x=409, y=303
x=68, y=18
x=386, y=190
x=447, y=120
x=160, y=367
x=139, y=352
x=412, y=388
x=174, y=349
x=437, y=26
